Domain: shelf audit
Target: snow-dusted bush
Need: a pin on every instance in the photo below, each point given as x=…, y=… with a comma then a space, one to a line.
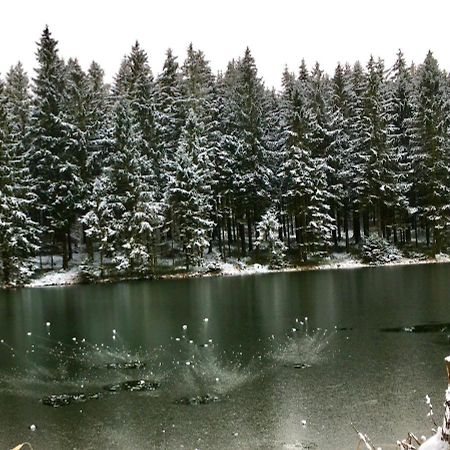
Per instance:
x=89, y=271
x=20, y=271
x=376, y=250
x=268, y=233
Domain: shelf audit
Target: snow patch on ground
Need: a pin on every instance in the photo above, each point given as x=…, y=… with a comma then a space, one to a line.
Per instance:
x=442, y=257
x=347, y=261
x=242, y=269
x=214, y=266
x=57, y=278
x=339, y=261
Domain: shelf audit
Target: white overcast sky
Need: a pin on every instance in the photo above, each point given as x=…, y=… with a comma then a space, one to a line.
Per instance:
x=279, y=32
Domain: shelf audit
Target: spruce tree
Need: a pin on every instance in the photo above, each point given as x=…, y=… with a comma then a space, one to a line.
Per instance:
x=187, y=197
x=252, y=176
x=430, y=144
x=52, y=160
x=169, y=114
x=141, y=94
x=379, y=197
x=359, y=154
x=19, y=233
x=399, y=114
x=337, y=161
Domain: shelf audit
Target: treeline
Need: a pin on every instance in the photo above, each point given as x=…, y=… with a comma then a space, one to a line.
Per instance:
x=153, y=167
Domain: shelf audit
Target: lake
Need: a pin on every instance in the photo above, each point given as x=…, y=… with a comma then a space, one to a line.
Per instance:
x=226, y=362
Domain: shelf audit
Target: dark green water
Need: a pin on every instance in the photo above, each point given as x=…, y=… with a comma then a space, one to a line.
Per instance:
x=358, y=373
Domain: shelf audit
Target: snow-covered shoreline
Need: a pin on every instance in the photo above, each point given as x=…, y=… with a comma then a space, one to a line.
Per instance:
x=336, y=261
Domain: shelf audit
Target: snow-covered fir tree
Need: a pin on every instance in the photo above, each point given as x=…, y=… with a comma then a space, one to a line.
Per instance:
x=358, y=155
x=19, y=233
x=304, y=168
x=100, y=220
x=337, y=161
x=169, y=114
x=141, y=94
x=399, y=114
x=186, y=194
x=380, y=178
x=430, y=147
x=252, y=174
x=53, y=161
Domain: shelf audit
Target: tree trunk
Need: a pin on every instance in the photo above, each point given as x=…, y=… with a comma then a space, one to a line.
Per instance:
x=249, y=231
x=65, y=256
x=437, y=243
x=297, y=229
x=288, y=229
x=365, y=218
x=356, y=227
x=69, y=245
x=408, y=234
x=335, y=230
x=380, y=223
x=347, y=238
x=219, y=237
x=339, y=225
x=242, y=236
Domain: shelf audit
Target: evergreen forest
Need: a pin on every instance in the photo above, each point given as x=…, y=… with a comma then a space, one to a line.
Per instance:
x=175, y=165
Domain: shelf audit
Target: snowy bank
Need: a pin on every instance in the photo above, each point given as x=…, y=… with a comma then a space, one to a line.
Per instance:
x=213, y=267
x=57, y=278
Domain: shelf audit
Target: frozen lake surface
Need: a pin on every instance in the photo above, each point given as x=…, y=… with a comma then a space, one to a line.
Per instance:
x=224, y=363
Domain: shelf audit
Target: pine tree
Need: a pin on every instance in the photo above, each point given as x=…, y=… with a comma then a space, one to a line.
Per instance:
x=186, y=194
x=252, y=176
x=19, y=234
x=122, y=169
x=197, y=87
x=52, y=162
x=169, y=114
x=99, y=221
x=304, y=167
x=399, y=112
x=76, y=115
x=358, y=155
x=113, y=190
x=218, y=158
x=430, y=143
x=196, y=82
x=98, y=122
x=379, y=196
x=141, y=94
x=338, y=169
x=321, y=224
x=125, y=216
x=224, y=156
